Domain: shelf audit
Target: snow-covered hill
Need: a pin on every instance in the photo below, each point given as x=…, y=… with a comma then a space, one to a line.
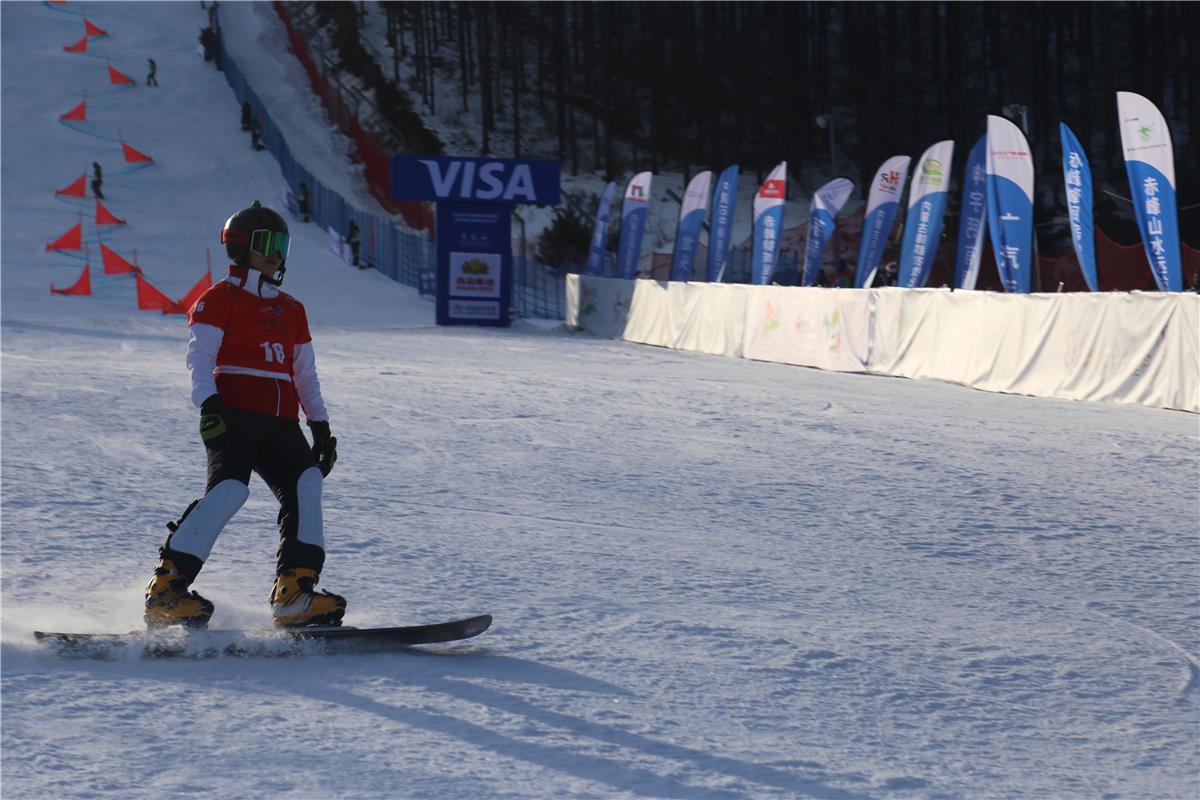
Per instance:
x=712, y=578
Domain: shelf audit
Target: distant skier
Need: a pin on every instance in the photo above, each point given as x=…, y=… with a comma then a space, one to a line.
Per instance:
x=303, y=201
x=352, y=240
x=256, y=134
x=247, y=116
x=97, y=180
x=252, y=368
x=152, y=78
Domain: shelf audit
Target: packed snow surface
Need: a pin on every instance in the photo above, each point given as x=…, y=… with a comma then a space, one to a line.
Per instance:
x=712, y=578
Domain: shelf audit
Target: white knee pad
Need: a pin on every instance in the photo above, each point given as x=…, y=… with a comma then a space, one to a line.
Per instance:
x=198, y=532
x=308, y=508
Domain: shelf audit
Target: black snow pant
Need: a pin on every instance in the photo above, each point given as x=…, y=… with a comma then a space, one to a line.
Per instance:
x=278, y=451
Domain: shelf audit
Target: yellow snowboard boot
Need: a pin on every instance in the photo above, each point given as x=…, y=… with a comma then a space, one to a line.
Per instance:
x=294, y=604
x=168, y=601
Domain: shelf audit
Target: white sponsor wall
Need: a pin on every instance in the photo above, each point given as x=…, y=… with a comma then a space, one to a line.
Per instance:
x=809, y=326
x=1138, y=347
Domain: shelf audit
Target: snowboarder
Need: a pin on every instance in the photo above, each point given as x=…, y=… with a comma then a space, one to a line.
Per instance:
x=97, y=180
x=303, y=203
x=252, y=368
x=247, y=116
x=352, y=240
x=256, y=134
x=152, y=79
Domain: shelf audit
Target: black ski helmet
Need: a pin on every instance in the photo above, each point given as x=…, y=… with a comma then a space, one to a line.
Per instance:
x=239, y=228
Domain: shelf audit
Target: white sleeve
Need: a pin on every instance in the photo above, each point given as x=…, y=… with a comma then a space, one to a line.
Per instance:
x=304, y=376
x=203, y=346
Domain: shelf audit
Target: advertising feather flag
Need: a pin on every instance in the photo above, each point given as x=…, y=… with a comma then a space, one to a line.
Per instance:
x=1010, y=203
x=768, y=225
x=634, y=210
x=972, y=219
x=926, y=210
x=1150, y=166
x=882, y=204
x=1077, y=179
x=720, y=234
x=822, y=212
x=691, y=219
x=595, y=262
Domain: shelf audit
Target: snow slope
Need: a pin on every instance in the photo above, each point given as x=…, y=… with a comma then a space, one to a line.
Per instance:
x=712, y=578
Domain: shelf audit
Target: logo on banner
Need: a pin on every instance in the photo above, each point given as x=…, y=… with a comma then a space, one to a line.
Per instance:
x=772, y=190
x=637, y=192
x=1010, y=217
x=475, y=274
x=489, y=183
x=889, y=181
x=1145, y=133
x=932, y=172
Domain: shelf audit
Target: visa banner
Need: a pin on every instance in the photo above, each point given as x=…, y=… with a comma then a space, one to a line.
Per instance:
x=464, y=179
x=1077, y=178
x=822, y=209
x=972, y=220
x=1150, y=165
x=1010, y=203
x=882, y=204
x=633, y=224
x=768, y=225
x=595, y=262
x=926, y=209
x=720, y=234
x=691, y=220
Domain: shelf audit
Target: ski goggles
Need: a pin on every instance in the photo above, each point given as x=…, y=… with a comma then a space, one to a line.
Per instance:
x=266, y=243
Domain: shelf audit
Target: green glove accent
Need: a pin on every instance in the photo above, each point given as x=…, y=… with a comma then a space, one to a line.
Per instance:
x=212, y=423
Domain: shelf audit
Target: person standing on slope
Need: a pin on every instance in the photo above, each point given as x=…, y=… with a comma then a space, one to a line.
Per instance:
x=252, y=367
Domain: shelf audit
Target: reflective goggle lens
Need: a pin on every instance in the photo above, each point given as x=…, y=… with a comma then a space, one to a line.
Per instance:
x=264, y=243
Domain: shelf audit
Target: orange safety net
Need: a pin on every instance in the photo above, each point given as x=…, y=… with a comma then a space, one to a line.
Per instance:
x=115, y=263
x=79, y=112
x=76, y=189
x=106, y=217
x=71, y=240
x=81, y=287
x=135, y=156
x=376, y=162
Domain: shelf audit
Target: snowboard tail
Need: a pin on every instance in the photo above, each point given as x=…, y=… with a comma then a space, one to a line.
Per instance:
x=179, y=642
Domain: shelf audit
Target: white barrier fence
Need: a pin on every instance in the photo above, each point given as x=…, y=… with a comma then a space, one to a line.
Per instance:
x=1138, y=347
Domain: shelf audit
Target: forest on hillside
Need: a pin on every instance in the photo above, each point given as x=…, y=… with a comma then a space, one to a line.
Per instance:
x=685, y=86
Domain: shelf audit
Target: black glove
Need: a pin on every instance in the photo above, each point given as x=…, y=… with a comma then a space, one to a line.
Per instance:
x=324, y=447
x=212, y=420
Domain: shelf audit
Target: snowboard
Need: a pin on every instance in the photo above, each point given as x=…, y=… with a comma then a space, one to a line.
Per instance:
x=180, y=642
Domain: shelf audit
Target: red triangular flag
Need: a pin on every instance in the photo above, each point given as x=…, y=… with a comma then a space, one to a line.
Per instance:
x=79, y=112
x=76, y=189
x=106, y=217
x=78, y=47
x=114, y=263
x=151, y=299
x=194, y=294
x=135, y=156
x=116, y=77
x=82, y=287
x=71, y=240
x=93, y=30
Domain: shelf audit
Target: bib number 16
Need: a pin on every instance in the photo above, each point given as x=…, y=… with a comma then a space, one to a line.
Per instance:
x=272, y=352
